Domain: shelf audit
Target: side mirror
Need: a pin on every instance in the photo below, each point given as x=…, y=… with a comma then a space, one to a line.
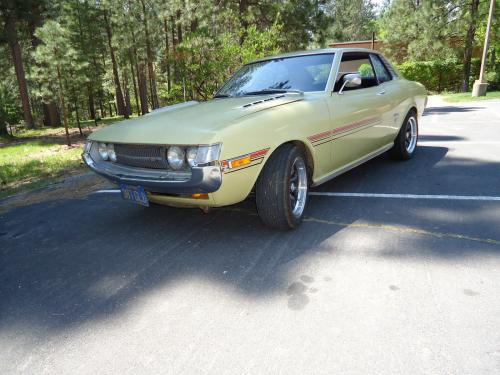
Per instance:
x=350, y=80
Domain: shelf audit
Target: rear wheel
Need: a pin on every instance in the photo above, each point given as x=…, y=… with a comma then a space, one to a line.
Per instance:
x=281, y=189
x=406, y=141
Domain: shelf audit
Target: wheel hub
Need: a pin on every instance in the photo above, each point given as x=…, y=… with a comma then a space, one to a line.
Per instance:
x=411, y=135
x=298, y=187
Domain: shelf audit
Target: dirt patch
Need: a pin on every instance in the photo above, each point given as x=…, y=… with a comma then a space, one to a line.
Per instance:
x=73, y=187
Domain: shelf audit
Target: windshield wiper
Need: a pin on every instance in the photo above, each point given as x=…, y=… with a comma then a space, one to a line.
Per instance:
x=272, y=91
x=222, y=96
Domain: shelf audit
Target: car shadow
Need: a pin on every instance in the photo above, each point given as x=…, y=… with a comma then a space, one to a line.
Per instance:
x=444, y=110
x=440, y=138
x=84, y=260
x=386, y=175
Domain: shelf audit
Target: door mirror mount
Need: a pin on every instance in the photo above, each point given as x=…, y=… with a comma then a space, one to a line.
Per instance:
x=350, y=80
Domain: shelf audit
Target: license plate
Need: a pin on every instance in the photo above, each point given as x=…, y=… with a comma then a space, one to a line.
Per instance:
x=135, y=194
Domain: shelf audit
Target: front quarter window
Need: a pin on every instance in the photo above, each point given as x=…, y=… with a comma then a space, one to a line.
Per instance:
x=383, y=74
x=300, y=73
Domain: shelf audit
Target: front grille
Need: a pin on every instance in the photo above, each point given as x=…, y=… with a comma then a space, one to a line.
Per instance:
x=142, y=156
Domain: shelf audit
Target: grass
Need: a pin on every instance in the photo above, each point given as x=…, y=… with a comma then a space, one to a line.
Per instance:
x=467, y=97
x=35, y=164
x=34, y=158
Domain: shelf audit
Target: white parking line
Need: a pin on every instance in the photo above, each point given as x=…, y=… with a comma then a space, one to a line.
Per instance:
x=408, y=196
x=469, y=143
x=377, y=195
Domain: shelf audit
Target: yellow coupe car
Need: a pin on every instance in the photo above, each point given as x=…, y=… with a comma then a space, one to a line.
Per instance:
x=279, y=126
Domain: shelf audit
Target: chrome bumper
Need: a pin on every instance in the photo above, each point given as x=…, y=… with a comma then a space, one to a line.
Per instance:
x=199, y=180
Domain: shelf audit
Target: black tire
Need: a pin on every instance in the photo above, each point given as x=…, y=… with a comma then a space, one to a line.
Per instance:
x=400, y=149
x=273, y=190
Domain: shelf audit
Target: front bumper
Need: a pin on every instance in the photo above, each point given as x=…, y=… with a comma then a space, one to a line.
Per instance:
x=199, y=180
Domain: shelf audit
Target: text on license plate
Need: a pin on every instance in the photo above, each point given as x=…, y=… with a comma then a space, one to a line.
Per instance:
x=135, y=194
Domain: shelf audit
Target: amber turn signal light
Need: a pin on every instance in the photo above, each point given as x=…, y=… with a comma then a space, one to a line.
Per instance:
x=199, y=196
x=241, y=162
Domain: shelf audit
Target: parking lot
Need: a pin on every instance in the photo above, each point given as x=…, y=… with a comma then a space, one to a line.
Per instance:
x=396, y=270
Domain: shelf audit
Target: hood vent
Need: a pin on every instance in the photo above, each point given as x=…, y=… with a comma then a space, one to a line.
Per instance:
x=263, y=101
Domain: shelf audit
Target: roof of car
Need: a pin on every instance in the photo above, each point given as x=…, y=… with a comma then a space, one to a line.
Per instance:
x=314, y=52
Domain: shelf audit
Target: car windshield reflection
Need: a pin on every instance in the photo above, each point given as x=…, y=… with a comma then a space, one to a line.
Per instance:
x=291, y=74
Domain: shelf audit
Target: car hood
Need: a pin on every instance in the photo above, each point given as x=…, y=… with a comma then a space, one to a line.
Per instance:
x=190, y=122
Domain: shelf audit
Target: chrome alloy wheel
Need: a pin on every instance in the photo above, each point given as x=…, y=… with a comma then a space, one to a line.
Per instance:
x=411, y=135
x=298, y=187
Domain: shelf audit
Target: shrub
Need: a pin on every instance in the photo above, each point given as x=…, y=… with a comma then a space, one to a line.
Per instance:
x=437, y=75
x=446, y=75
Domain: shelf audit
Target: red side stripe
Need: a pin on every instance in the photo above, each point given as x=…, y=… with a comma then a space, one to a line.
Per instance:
x=258, y=154
x=324, y=135
x=354, y=125
x=317, y=137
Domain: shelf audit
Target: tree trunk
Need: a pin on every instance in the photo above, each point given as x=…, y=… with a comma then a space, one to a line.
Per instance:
x=19, y=67
x=174, y=50
x=143, y=89
x=141, y=80
x=51, y=115
x=134, y=84
x=78, y=117
x=63, y=105
x=149, y=53
x=179, y=27
x=167, y=55
x=54, y=116
x=128, y=106
x=194, y=25
x=469, y=44
x=102, y=108
x=118, y=90
x=90, y=92
x=3, y=128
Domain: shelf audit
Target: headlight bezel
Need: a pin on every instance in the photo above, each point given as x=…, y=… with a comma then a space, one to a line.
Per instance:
x=208, y=154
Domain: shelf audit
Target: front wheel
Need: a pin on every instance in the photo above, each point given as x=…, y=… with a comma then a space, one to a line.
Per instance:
x=406, y=141
x=281, y=189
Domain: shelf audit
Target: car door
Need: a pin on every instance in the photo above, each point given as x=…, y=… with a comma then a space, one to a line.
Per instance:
x=389, y=89
x=358, y=114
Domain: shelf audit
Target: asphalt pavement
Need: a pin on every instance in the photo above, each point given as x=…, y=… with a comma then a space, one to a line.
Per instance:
x=369, y=284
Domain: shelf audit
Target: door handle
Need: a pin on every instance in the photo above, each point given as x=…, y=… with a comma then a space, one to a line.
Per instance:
x=381, y=92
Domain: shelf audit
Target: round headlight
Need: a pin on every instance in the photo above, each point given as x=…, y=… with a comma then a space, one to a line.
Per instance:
x=103, y=151
x=191, y=154
x=175, y=157
x=111, y=152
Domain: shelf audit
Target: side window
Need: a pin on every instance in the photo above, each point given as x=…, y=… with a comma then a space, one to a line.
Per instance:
x=381, y=71
x=356, y=62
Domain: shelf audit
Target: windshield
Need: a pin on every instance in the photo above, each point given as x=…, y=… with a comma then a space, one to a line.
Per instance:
x=300, y=73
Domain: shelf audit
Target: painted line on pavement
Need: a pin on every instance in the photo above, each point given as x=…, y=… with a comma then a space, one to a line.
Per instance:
x=376, y=195
x=408, y=196
x=470, y=143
